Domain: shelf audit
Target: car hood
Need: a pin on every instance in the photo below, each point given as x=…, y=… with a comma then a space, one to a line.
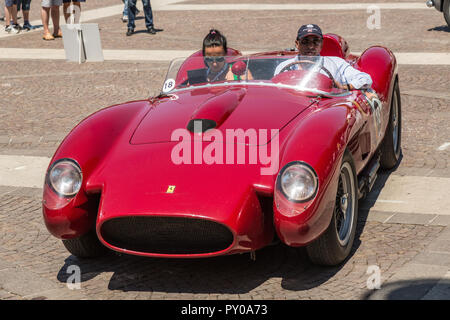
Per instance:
x=223, y=108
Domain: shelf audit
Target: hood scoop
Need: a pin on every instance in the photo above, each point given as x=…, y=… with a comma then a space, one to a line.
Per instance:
x=213, y=112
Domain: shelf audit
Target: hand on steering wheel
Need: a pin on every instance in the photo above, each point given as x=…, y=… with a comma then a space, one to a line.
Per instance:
x=299, y=63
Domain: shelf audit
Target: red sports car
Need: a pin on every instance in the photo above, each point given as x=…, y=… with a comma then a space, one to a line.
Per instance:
x=222, y=166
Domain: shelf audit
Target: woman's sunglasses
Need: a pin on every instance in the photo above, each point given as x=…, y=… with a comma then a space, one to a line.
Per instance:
x=210, y=60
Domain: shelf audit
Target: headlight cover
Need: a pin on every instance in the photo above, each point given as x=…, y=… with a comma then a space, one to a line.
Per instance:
x=65, y=178
x=298, y=182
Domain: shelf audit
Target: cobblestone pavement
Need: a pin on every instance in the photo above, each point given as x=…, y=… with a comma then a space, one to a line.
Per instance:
x=42, y=100
x=279, y=272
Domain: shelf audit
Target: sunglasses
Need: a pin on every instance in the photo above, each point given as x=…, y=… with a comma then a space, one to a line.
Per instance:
x=210, y=60
x=316, y=42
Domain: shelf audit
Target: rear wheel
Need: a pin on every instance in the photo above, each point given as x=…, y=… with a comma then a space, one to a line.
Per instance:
x=391, y=145
x=86, y=246
x=334, y=246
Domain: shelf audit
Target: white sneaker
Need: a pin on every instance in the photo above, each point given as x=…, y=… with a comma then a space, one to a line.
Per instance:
x=8, y=29
x=125, y=18
x=15, y=28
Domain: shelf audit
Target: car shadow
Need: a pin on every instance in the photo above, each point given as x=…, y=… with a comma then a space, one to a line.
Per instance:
x=367, y=203
x=234, y=274
x=443, y=28
x=417, y=289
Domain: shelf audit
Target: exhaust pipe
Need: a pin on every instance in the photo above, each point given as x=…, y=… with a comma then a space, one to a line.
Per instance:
x=430, y=3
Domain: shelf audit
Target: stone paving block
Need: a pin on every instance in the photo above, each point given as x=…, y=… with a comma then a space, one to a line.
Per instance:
x=440, y=245
x=441, y=221
x=379, y=216
x=434, y=258
x=24, y=283
x=411, y=218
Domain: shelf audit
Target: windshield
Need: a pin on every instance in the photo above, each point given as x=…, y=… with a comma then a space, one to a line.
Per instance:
x=300, y=73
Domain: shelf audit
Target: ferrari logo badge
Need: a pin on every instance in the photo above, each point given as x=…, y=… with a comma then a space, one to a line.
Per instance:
x=170, y=189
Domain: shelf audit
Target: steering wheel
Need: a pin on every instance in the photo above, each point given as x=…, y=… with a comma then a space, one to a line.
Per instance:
x=310, y=62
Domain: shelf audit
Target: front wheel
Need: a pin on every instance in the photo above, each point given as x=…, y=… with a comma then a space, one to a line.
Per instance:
x=335, y=244
x=86, y=246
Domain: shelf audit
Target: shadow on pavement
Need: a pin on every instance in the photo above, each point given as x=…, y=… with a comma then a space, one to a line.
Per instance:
x=234, y=274
x=427, y=289
x=443, y=28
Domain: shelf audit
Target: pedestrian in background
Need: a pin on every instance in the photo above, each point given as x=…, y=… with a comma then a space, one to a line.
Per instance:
x=75, y=11
x=51, y=8
x=125, y=11
x=11, y=25
x=25, y=5
x=132, y=15
x=2, y=10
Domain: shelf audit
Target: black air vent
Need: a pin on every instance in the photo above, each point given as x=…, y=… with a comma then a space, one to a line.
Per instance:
x=201, y=125
x=166, y=235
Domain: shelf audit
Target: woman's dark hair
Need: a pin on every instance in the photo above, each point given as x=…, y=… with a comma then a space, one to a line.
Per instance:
x=214, y=39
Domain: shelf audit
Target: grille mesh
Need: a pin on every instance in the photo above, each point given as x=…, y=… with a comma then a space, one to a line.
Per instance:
x=166, y=235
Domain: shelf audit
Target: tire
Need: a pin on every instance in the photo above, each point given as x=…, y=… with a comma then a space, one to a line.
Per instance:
x=446, y=9
x=86, y=246
x=391, y=145
x=335, y=244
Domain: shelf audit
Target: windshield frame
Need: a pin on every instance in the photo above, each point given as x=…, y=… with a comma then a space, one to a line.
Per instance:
x=177, y=64
x=260, y=83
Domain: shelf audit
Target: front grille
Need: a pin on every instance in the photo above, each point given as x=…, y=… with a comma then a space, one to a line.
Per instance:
x=166, y=235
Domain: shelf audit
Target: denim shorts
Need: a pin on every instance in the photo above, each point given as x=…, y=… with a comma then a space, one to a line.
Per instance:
x=24, y=5
x=9, y=3
x=51, y=3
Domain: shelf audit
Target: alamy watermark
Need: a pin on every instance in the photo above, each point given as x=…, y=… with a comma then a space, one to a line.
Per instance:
x=74, y=16
x=374, y=20
x=73, y=282
x=374, y=280
x=221, y=148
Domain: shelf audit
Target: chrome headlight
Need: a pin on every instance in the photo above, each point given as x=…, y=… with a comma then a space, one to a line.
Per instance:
x=298, y=181
x=65, y=177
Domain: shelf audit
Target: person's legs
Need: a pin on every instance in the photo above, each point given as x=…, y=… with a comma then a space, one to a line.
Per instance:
x=148, y=14
x=76, y=11
x=131, y=16
x=54, y=12
x=125, y=8
x=7, y=16
x=11, y=12
x=26, y=14
x=2, y=10
x=45, y=17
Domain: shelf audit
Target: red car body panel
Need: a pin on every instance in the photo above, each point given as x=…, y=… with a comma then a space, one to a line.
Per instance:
x=125, y=152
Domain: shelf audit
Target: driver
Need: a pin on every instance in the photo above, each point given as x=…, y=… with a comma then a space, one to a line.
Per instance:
x=309, y=43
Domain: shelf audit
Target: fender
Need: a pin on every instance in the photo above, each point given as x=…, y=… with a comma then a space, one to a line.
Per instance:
x=320, y=141
x=88, y=144
x=381, y=64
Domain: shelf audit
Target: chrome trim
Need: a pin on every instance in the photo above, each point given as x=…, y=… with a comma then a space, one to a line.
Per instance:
x=264, y=84
x=75, y=165
x=309, y=168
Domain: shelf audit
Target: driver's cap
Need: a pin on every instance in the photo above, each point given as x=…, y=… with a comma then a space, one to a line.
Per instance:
x=309, y=29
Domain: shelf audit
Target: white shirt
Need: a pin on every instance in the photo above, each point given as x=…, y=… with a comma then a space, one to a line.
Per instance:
x=340, y=69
